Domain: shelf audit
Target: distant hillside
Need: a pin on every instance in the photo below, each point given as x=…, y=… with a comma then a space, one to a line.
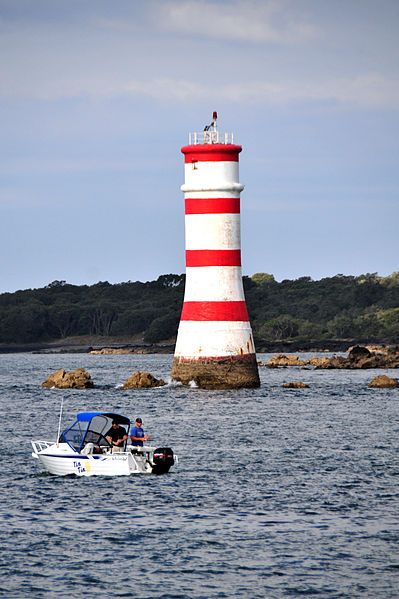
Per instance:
x=299, y=311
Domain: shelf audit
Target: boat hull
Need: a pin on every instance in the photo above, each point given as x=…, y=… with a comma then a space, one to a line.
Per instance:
x=62, y=462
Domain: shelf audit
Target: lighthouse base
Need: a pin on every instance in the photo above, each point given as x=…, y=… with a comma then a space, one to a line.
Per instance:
x=230, y=372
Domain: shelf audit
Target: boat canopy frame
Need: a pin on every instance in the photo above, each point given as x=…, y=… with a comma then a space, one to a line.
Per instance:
x=91, y=427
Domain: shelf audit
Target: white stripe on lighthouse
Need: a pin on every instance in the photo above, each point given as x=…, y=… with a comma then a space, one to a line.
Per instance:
x=211, y=176
x=213, y=231
x=213, y=339
x=210, y=193
x=213, y=284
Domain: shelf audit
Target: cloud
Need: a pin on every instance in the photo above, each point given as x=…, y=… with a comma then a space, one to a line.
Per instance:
x=236, y=20
x=251, y=21
x=21, y=166
x=160, y=50
x=370, y=90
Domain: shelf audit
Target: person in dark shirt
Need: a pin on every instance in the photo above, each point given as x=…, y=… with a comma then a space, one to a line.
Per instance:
x=116, y=436
x=137, y=434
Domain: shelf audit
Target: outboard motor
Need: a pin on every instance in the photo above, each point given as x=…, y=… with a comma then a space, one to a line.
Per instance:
x=163, y=459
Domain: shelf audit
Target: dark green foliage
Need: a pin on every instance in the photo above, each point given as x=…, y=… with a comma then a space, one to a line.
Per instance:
x=340, y=307
x=162, y=328
x=133, y=321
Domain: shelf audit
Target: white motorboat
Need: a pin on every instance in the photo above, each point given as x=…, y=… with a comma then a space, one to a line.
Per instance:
x=82, y=449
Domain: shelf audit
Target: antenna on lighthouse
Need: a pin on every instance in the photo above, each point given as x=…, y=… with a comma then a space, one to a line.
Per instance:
x=214, y=119
x=213, y=125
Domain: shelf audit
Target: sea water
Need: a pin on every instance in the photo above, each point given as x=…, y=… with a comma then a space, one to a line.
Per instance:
x=277, y=493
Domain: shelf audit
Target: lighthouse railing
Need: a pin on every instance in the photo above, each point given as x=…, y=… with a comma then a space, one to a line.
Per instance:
x=210, y=137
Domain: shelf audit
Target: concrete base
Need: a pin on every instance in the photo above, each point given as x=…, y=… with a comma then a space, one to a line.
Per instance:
x=233, y=372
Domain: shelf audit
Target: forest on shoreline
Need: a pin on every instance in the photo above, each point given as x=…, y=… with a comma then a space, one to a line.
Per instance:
x=301, y=311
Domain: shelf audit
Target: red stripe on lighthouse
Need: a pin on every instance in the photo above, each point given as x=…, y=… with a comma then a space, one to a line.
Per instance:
x=213, y=257
x=211, y=153
x=215, y=311
x=212, y=206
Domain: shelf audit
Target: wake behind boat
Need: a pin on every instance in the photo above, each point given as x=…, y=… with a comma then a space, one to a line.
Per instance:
x=83, y=449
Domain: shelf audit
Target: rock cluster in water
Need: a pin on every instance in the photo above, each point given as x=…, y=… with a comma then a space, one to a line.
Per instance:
x=295, y=385
x=384, y=382
x=358, y=357
x=81, y=379
x=142, y=380
x=283, y=360
x=75, y=379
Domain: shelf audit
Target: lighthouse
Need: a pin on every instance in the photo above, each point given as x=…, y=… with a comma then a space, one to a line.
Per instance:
x=214, y=346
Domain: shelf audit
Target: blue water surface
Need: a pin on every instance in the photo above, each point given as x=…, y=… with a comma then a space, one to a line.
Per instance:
x=278, y=492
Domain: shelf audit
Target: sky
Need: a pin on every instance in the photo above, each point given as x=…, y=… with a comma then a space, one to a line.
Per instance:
x=97, y=97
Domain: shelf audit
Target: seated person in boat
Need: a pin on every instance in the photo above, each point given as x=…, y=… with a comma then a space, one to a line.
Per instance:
x=137, y=434
x=116, y=436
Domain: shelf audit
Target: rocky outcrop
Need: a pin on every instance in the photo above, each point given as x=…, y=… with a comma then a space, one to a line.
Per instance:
x=384, y=382
x=75, y=379
x=322, y=362
x=327, y=363
x=282, y=360
x=142, y=380
x=107, y=351
x=232, y=372
x=295, y=385
x=358, y=357
x=374, y=348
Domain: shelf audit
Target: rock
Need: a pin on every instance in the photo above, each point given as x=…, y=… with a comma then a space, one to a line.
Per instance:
x=75, y=379
x=106, y=351
x=319, y=362
x=392, y=357
x=295, y=385
x=358, y=353
x=383, y=381
x=231, y=372
x=283, y=360
x=376, y=349
x=334, y=362
x=142, y=380
x=360, y=357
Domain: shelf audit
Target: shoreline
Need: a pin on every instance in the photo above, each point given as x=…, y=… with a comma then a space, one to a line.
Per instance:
x=133, y=346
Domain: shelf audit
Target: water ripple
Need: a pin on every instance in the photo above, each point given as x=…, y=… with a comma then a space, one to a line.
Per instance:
x=276, y=494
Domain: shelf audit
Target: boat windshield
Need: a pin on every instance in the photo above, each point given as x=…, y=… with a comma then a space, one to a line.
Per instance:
x=75, y=434
x=92, y=428
x=97, y=429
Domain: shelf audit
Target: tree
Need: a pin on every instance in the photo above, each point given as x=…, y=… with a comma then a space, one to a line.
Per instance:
x=133, y=321
x=262, y=277
x=100, y=317
x=341, y=326
x=162, y=328
x=171, y=280
x=64, y=320
x=55, y=284
x=277, y=329
x=24, y=324
x=339, y=306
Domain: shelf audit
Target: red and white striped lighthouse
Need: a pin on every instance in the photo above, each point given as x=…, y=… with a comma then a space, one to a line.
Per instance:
x=214, y=345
